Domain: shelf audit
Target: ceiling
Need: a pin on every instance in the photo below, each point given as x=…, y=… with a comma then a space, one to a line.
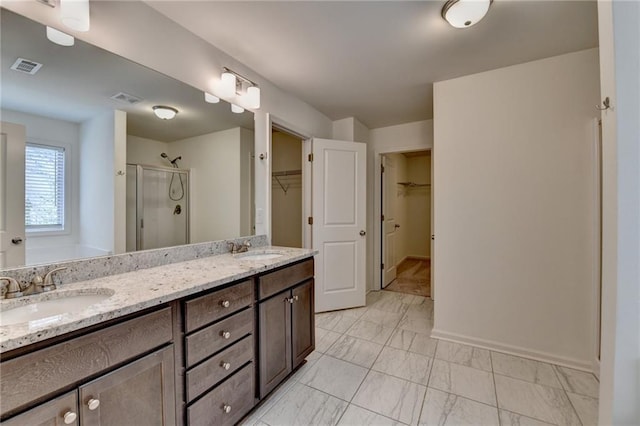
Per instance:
x=76, y=83
x=377, y=60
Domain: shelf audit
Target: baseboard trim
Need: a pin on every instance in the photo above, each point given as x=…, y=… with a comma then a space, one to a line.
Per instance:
x=513, y=350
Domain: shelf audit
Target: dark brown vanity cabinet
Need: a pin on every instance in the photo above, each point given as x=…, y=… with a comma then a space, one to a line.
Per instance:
x=219, y=346
x=121, y=374
x=285, y=322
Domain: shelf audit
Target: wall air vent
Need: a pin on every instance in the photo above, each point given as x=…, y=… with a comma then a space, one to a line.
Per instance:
x=26, y=66
x=126, y=98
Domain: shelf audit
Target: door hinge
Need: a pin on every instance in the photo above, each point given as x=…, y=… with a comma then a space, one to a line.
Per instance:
x=382, y=266
x=382, y=167
x=310, y=157
x=382, y=217
x=310, y=220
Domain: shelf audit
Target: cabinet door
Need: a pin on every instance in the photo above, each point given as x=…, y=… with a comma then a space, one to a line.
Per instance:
x=58, y=412
x=275, y=341
x=140, y=393
x=302, y=322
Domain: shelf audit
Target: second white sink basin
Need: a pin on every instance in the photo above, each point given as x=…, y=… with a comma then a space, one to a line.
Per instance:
x=260, y=255
x=43, y=312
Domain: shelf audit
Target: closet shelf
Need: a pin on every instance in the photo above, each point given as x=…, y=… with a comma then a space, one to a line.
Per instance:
x=285, y=174
x=413, y=184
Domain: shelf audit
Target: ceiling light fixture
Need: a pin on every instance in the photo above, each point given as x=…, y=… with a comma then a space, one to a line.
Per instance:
x=75, y=14
x=245, y=91
x=164, y=112
x=465, y=13
x=58, y=37
x=208, y=97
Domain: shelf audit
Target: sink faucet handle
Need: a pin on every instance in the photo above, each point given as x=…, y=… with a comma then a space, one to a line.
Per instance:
x=48, y=278
x=246, y=244
x=13, y=287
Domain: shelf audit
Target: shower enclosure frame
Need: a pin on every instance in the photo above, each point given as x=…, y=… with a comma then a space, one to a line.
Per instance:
x=140, y=199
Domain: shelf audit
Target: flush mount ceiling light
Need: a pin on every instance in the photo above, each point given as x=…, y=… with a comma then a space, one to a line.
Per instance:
x=208, y=97
x=164, y=112
x=239, y=90
x=465, y=13
x=58, y=37
x=75, y=14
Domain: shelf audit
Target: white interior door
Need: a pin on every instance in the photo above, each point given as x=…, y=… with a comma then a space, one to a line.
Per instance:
x=12, y=146
x=339, y=222
x=432, y=242
x=389, y=222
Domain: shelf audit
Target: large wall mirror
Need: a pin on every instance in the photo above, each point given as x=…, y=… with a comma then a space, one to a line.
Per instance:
x=103, y=174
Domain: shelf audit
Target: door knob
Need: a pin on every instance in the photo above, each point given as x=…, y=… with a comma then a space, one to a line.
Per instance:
x=16, y=240
x=363, y=233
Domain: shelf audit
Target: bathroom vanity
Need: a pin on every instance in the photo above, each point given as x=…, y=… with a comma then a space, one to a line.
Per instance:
x=201, y=349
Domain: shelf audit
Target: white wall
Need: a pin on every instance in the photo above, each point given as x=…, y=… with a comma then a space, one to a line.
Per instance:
x=247, y=200
x=514, y=205
x=58, y=132
x=120, y=182
x=98, y=199
x=414, y=136
x=216, y=181
x=147, y=151
x=619, y=32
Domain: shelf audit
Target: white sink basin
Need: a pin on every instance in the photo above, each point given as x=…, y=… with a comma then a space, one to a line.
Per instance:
x=260, y=255
x=42, y=312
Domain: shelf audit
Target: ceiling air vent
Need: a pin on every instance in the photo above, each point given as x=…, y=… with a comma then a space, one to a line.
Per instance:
x=26, y=66
x=126, y=98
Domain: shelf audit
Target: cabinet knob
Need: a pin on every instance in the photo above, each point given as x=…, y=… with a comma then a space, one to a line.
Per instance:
x=295, y=298
x=226, y=408
x=225, y=303
x=93, y=404
x=225, y=334
x=225, y=365
x=69, y=417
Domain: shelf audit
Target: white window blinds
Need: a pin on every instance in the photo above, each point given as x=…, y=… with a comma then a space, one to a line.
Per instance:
x=44, y=187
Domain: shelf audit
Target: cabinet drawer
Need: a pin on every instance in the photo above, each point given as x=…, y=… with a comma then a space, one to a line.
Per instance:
x=212, y=371
x=237, y=393
x=207, y=341
x=206, y=309
x=49, y=413
x=274, y=282
x=38, y=374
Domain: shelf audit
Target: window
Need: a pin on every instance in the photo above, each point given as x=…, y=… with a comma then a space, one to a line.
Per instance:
x=44, y=188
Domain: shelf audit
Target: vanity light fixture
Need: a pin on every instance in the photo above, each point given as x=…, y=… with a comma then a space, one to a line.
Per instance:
x=465, y=13
x=208, y=97
x=164, y=112
x=243, y=92
x=75, y=14
x=58, y=37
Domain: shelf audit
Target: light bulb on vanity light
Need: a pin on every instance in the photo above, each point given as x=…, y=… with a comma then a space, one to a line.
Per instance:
x=75, y=14
x=227, y=85
x=253, y=97
x=237, y=109
x=208, y=97
x=58, y=37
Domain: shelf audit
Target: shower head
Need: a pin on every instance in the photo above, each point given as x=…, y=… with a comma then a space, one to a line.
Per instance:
x=164, y=155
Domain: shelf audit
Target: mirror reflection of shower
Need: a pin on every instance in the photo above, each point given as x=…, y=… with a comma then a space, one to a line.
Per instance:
x=174, y=164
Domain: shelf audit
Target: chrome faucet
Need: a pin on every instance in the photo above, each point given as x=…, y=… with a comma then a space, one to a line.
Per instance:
x=239, y=248
x=38, y=285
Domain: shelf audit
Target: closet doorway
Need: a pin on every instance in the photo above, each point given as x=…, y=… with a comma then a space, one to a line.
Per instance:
x=286, y=189
x=405, y=228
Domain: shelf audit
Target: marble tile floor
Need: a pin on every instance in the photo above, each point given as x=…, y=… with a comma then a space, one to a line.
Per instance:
x=377, y=365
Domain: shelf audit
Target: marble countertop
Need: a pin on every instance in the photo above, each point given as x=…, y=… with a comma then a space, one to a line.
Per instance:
x=138, y=290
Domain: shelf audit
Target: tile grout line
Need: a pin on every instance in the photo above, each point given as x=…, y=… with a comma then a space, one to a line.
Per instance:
x=424, y=399
x=495, y=388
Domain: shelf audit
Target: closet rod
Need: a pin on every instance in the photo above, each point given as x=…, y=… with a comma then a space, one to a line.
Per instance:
x=287, y=173
x=413, y=184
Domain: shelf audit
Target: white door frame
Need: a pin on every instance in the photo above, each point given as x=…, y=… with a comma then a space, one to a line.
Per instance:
x=377, y=213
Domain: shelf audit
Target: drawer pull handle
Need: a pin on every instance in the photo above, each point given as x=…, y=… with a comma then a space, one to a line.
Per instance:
x=69, y=417
x=225, y=334
x=226, y=408
x=225, y=303
x=295, y=298
x=225, y=365
x=93, y=404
